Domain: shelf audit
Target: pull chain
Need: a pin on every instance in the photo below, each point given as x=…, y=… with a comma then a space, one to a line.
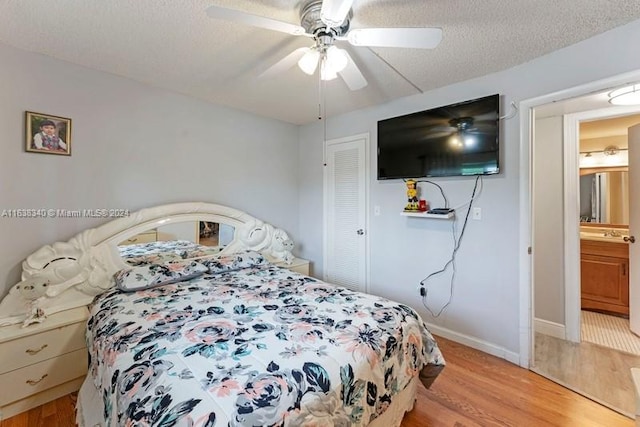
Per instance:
x=322, y=107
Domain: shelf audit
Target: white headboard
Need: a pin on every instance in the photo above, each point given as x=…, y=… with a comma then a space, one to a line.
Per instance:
x=77, y=270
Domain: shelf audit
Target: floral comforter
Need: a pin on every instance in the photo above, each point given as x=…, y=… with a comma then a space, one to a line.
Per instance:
x=164, y=251
x=253, y=347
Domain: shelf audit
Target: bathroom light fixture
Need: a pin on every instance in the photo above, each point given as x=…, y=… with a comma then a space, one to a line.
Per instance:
x=611, y=150
x=611, y=156
x=629, y=95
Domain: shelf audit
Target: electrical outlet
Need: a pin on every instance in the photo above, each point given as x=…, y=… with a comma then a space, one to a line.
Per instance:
x=376, y=210
x=477, y=214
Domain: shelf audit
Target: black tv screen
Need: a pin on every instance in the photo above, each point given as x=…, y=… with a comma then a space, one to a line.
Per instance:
x=454, y=140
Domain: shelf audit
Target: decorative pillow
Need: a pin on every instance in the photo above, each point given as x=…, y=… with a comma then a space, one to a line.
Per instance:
x=233, y=262
x=152, y=275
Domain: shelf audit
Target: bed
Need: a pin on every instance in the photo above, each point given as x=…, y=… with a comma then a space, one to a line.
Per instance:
x=231, y=338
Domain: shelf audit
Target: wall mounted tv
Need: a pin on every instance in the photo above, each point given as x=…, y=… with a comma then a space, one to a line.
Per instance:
x=454, y=140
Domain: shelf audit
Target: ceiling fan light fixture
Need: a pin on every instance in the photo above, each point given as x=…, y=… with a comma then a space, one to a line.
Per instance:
x=469, y=141
x=334, y=12
x=629, y=95
x=336, y=59
x=309, y=62
x=326, y=73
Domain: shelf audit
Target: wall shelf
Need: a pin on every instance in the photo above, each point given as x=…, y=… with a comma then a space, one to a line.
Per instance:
x=428, y=215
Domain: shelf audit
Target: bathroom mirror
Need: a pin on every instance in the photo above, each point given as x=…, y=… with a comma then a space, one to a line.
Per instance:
x=604, y=197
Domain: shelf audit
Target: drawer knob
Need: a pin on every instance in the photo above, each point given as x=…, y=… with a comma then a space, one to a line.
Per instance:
x=31, y=351
x=34, y=382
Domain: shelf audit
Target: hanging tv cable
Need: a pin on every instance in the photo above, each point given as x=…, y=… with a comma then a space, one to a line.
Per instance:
x=457, y=241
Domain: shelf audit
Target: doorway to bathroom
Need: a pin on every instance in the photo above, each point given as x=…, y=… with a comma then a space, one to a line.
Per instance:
x=562, y=347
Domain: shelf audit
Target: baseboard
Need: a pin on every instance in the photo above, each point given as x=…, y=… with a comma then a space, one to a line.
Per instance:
x=546, y=327
x=476, y=343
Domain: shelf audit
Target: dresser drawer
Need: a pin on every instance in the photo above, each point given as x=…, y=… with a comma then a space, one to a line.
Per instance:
x=35, y=348
x=33, y=379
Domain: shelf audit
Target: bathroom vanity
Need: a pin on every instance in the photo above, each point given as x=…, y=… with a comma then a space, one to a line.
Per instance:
x=604, y=269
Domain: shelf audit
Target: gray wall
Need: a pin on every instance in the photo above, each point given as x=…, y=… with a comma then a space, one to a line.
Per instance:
x=548, y=219
x=404, y=250
x=133, y=146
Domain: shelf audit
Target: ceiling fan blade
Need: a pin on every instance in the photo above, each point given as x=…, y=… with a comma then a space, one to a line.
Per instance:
x=419, y=38
x=232, y=15
x=351, y=74
x=285, y=63
x=333, y=12
x=437, y=134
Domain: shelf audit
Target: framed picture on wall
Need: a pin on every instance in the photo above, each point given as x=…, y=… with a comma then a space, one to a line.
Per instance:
x=48, y=134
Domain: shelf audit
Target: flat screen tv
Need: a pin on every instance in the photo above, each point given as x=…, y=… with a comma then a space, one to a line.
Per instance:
x=454, y=140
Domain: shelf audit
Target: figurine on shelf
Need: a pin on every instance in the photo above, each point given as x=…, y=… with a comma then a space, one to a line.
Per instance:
x=412, y=196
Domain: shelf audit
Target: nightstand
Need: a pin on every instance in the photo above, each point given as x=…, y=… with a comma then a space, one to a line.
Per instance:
x=298, y=265
x=42, y=362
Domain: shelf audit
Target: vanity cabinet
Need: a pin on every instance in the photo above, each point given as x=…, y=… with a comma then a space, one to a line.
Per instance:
x=42, y=362
x=604, y=270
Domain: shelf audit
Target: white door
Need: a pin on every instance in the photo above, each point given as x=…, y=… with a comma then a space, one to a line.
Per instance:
x=634, y=228
x=345, y=212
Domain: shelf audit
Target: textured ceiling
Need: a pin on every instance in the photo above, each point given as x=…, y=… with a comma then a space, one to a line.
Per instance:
x=173, y=44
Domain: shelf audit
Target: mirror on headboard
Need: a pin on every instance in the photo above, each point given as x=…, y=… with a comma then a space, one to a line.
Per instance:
x=206, y=233
x=604, y=197
x=176, y=240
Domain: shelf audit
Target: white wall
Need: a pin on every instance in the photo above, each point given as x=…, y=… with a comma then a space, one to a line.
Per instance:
x=133, y=146
x=548, y=220
x=404, y=250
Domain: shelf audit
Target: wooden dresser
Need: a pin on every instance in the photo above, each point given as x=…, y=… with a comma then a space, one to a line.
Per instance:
x=42, y=362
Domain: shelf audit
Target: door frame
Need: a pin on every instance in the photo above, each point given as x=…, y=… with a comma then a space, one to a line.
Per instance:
x=526, y=279
x=367, y=169
x=572, y=304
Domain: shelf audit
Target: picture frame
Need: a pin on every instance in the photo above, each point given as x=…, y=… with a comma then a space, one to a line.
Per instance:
x=48, y=134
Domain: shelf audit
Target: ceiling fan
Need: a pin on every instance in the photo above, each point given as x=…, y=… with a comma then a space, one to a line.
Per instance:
x=327, y=21
x=463, y=130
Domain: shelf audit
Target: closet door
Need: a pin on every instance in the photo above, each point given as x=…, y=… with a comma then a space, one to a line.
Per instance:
x=345, y=212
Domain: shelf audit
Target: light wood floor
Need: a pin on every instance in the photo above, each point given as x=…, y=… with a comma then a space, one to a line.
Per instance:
x=599, y=372
x=475, y=389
